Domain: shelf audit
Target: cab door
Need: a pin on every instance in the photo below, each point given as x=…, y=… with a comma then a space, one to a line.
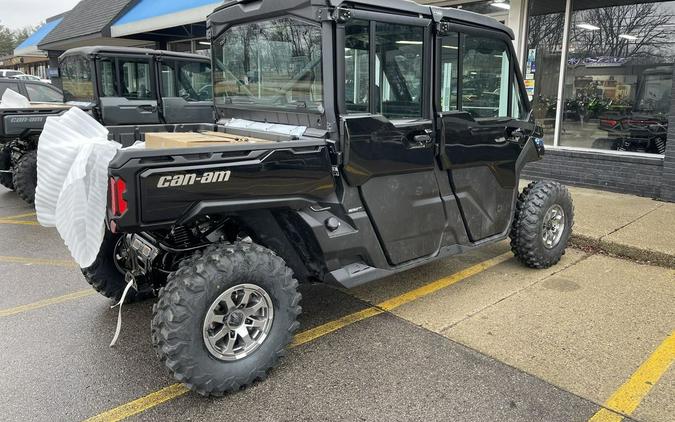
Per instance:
x=389, y=141
x=482, y=115
x=127, y=91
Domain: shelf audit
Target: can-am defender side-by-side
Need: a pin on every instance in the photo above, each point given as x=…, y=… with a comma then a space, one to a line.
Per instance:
x=155, y=91
x=393, y=135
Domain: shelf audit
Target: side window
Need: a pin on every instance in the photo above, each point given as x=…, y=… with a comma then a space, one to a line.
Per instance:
x=357, y=66
x=135, y=80
x=168, y=80
x=4, y=86
x=399, y=66
x=43, y=94
x=485, y=77
x=108, y=78
x=449, y=63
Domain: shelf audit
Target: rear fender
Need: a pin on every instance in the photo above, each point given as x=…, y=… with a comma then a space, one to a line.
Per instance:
x=284, y=232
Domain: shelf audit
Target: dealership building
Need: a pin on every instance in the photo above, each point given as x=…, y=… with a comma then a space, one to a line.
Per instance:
x=598, y=73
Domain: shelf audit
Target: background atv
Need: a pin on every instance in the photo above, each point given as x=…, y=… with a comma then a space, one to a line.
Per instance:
x=357, y=172
x=157, y=88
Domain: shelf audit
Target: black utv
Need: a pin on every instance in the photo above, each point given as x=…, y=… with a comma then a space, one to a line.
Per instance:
x=644, y=127
x=394, y=134
x=124, y=88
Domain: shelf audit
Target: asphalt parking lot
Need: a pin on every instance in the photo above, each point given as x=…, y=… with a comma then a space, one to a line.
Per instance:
x=476, y=337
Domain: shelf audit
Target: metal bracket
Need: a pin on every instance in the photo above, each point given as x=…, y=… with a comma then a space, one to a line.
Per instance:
x=342, y=15
x=443, y=28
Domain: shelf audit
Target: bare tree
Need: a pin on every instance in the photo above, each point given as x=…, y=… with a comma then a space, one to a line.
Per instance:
x=546, y=31
x=646, y=22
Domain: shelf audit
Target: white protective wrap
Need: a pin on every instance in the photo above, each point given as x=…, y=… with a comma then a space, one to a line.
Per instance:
x=72, y=181
x=12, y=99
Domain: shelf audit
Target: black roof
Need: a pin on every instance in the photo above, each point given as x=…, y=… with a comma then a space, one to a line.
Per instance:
x=89, y=50
x=438, y=13
x=400, y=6
x=88, y=17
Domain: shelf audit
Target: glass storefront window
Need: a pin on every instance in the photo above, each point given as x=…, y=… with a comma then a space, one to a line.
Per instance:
x=542, y=61
x=618, y=79
x=618, y=73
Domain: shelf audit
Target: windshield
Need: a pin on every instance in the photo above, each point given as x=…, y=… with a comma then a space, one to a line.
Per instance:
x=275, y=63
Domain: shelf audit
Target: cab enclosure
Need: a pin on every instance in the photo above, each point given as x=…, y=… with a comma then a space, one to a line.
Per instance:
x=416, y=127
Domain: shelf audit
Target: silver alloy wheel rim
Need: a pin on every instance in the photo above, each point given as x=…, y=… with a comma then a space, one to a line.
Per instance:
x=238, y=322
x=553, y=226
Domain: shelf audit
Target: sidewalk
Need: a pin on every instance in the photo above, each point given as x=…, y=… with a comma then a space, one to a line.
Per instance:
x=624, y=225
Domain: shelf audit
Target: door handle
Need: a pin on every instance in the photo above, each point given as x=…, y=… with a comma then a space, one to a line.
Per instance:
x=147, y=107
x=517, y=136
x=422, y=139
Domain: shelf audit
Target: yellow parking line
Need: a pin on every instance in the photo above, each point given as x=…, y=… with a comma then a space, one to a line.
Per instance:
x=627, y=398
x=142, y=404
x=176, y=390
x=37, y=261
x=14, y=217
x=19, y=222
x=46, y=302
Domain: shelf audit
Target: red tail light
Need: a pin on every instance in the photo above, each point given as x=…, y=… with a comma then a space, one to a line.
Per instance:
x=609, y=122
x=118, y=205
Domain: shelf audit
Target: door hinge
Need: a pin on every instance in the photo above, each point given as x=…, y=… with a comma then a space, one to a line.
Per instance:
x=335, y=170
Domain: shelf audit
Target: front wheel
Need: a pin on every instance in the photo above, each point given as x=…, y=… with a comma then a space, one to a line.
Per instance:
x=542, y=224
x=225, y=317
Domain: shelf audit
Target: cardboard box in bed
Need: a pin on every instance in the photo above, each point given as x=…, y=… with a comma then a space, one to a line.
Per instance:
x=162, y=140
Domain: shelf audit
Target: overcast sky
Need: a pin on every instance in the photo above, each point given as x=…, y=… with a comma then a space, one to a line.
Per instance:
x=19, y=13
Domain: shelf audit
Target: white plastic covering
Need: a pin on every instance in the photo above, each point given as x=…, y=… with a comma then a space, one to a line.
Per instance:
x=12, y=99
x=72, y=172
x=266, y=127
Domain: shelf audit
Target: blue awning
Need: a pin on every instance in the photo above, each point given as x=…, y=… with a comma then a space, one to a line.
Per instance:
x=30, y=44
x=153, y=15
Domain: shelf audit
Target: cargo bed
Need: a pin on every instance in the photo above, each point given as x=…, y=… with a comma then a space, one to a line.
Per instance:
x=163, y=187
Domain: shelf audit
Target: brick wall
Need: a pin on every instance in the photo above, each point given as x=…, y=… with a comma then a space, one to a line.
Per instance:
x=614, y=172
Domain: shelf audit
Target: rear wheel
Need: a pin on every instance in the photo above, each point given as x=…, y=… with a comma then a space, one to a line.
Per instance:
x=6, y=179
x=25, y=176
x=542, y=224
x=225, y=317
x=106, y=274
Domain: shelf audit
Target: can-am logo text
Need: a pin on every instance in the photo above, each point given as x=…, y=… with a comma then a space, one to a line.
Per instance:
x=191, y=179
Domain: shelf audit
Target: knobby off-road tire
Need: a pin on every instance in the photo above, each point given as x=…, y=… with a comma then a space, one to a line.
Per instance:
x=6, y=179
x=104, y=276
x=542, y=207
x=179, y=331
x=25, y=176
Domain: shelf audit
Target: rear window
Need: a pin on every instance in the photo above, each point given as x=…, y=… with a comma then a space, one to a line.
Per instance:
x=189, y=80
x=14, y=86
x=77, y=79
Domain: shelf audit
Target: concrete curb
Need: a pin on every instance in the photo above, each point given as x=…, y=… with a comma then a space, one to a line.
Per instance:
x=623, y=251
